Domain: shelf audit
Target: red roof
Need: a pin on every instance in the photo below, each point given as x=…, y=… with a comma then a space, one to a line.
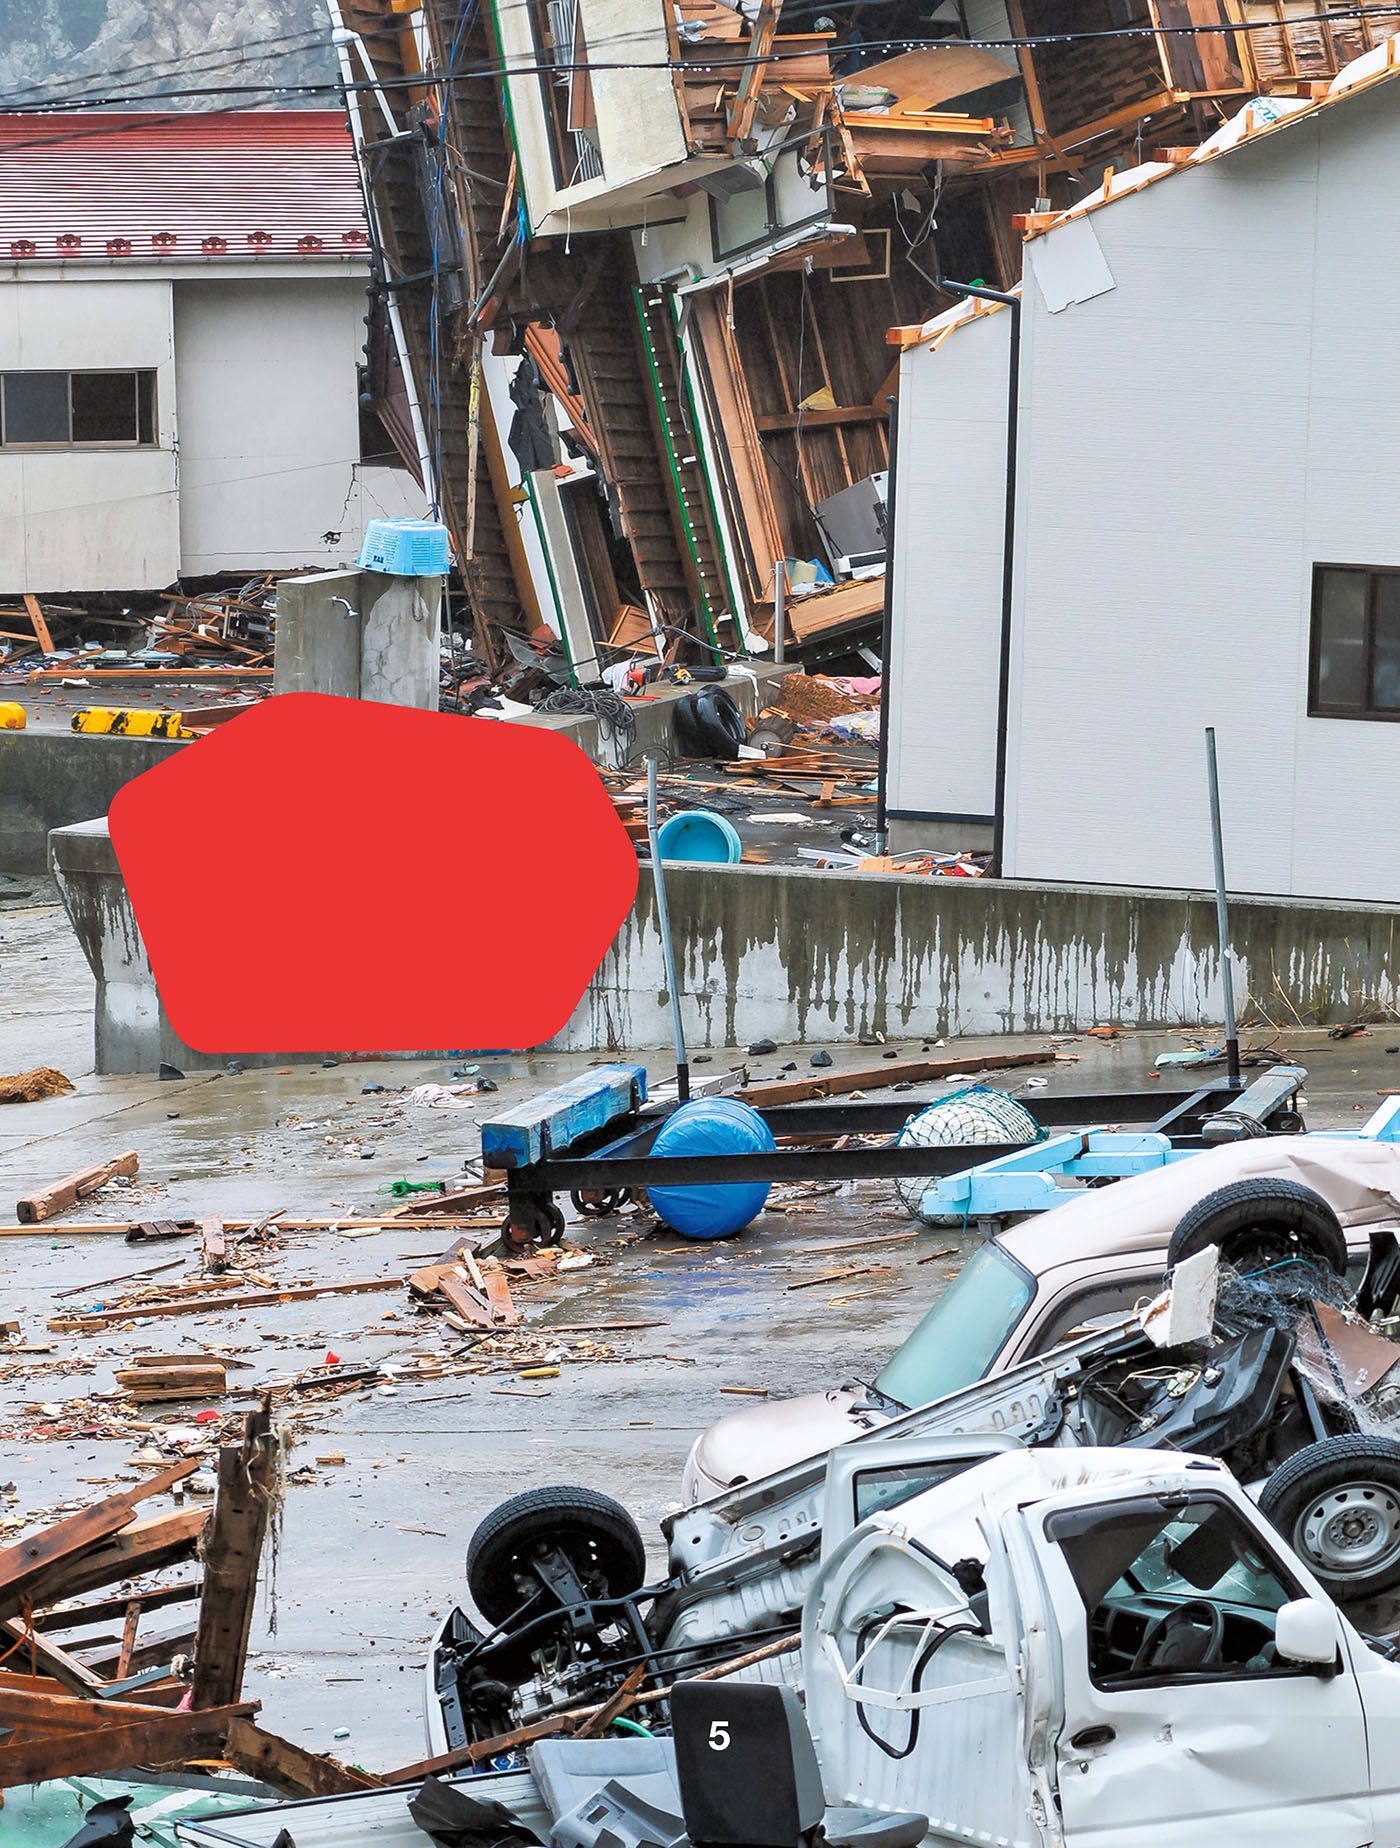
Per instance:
x=208, y=187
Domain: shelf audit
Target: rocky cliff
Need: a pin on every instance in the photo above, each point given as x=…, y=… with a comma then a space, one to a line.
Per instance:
x=132, y=49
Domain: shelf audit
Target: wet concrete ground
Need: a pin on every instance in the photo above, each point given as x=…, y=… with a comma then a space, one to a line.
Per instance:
x=372, y=1550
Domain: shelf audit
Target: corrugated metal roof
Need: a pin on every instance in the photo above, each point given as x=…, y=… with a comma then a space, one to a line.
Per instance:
x=206, y=188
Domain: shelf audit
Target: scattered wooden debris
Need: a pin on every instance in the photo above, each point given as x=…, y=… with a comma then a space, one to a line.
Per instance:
x=60, y=1195
x=155, y=1379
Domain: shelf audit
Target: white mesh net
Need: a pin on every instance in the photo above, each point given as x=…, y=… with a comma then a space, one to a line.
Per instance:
x=975, y=1115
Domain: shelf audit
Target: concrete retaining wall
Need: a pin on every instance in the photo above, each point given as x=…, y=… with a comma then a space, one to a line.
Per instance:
x=799, y=955
x=51, y=779
x=819, y=956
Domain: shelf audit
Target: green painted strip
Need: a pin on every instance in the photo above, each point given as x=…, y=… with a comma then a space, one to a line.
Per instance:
x=741, y=628
x=676, y=474
x=495, y=34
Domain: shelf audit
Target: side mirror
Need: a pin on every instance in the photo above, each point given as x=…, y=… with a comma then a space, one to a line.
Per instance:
x=1305, y=1631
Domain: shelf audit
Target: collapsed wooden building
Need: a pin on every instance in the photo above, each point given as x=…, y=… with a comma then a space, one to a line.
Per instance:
x=635, y=265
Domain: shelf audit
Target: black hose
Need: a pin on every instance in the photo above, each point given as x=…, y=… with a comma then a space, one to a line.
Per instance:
x=615, y=717
x=926, y=1655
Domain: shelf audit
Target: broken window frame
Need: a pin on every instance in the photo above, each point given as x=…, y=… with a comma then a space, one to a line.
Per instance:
x=1318, y=707
x=566, y=90
x=775, y=229
x=144, y=421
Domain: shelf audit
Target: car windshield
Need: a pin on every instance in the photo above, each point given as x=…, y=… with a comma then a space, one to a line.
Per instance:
x=963, y=1333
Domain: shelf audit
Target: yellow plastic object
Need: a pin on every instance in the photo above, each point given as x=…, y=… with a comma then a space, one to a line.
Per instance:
x=124, y=720
x=13, y=717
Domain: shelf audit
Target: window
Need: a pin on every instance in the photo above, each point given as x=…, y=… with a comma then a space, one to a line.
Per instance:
x=567, y=89
x=1354, y=670
x=1173, y=1588
x=64, y=410
x=963, y=1333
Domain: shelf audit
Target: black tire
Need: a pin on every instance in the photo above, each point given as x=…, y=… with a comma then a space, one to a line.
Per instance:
x=720, y=722
x=1261, y=1222
x=600, y=1537
x=685, y=728
x=1337, y=1503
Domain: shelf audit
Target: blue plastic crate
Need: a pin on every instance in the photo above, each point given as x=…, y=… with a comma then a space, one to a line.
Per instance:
x=405, y=548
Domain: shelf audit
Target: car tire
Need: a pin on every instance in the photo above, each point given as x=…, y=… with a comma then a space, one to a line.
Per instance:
x=602, y=1541
x=1260, y=1222
x=720, y=722
x=1337, y=1503
x=685, y=728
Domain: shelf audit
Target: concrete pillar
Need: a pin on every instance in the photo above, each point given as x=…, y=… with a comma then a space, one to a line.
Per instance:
x=318, y=636
x=399, y=639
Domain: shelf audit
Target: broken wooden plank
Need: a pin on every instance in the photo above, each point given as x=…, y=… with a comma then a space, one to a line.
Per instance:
x=42, y=1656
x=30, y=1561
x=235, y=1299
x=470, y=1304
x=60, y=1195
x=147, y=1231
x=288, y=1767
x=878, y=1077
x=213, y=1244
x=150, y=1385
x=232, y=1549
x=41, y=627
x=68, y=1616
x=144, y=1546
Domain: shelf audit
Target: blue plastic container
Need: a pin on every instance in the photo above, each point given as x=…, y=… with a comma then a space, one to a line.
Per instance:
x=405, y=548
x=712, y=1126
x=699, y=835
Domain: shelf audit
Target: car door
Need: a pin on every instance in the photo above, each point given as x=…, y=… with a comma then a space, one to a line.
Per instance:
x=1179, y=1725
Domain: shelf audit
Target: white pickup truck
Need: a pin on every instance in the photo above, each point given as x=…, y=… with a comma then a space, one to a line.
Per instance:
x=1048, y=1648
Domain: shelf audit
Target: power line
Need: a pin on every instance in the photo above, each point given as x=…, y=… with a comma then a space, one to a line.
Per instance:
x=722, y=60
x=232, y=55
x=717, y=64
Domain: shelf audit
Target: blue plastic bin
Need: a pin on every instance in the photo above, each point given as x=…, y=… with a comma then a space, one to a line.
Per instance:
x=699, y=835
x=405, y=548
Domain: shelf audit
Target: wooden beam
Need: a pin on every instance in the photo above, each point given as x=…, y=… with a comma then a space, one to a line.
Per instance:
x=232, y=1550
x=815, y=420
x=235, y=1299
x=59, y=1195
x=291, y=1768
x=36, y=616
x=213, y=1243
x=115, y=1743
x=44, y=1657
x=878, y=1077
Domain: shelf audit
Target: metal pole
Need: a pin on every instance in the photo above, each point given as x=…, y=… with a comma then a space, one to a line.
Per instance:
x=1008, y=551
x=779, y=610
x=882, y=772
x=668, y=953
x=1222, y=920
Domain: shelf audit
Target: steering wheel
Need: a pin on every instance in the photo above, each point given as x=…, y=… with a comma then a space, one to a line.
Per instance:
x=1191, y=1618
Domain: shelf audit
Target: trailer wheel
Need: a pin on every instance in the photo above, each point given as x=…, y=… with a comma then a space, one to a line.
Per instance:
x=598, y=1202
x=1262, y=1222
x=599, y=1537
x=1337, y=1503
x=534, y=1222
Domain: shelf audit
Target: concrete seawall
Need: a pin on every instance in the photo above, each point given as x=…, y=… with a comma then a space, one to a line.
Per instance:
x=817, y=956
x=800, y=955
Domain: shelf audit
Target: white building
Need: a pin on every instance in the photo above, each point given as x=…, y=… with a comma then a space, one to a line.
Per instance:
x=1207, y=524
x=181, y=320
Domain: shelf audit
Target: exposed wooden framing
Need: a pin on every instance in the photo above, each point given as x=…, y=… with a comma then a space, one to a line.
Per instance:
x=43, y=1656
x=144, y=1546
x=1035, y=108
x=743, y=108
x=232, y=1549
x=103, y=1737
x=814, y=322
x=809, y=486
x=25, y=1565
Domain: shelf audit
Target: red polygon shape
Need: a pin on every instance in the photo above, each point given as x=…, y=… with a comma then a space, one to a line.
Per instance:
x=326, y=874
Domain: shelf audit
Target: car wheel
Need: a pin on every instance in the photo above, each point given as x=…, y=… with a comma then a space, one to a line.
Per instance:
x=1337, y=1503
x=601, y=1540
x=1262, y=1222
